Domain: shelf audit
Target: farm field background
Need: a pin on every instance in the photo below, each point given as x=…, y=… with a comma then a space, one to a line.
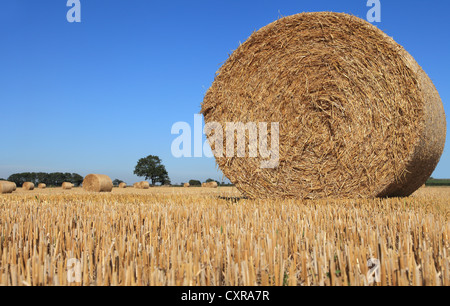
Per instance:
x=199, y=236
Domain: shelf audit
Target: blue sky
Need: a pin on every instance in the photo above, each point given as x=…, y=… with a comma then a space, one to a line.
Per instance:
x=95, y=96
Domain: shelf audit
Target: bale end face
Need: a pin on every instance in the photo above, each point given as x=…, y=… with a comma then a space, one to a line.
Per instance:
x=357, y=115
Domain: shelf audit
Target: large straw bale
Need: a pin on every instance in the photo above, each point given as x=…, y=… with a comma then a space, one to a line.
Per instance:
x=122, y=185
x=358, y=117
x=7, y=187
x=42, y=186
x=97, y=183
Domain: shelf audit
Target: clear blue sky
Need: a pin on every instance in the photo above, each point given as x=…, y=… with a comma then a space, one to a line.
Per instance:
x=95, y=96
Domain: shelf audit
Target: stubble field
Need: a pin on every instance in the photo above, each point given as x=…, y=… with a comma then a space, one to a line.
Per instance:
x=198, y=236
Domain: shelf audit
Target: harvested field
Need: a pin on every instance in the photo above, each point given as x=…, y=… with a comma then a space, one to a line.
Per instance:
x=196, y=236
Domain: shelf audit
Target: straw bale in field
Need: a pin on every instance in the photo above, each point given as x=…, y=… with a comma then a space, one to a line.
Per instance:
x=67, y=186
x=28, y=186
x=210, y=185
x=358, y=117
x=97, y=183
x=7, y=187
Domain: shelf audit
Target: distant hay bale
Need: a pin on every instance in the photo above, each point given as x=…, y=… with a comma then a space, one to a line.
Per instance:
x=186, y=185
x=42, y=186
x=358, y=117
x=7, y=187
x=122, y=185
x=67, y=185
x=97, y=183
x=210, y=185
x=144, y=185
x=28, y=186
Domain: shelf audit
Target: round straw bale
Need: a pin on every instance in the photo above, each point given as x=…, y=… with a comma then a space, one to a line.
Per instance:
x=358, y=117
x=186, y=185
x=42, y=186
x=144, y=185
x=7, y=187
x=67, y=185
x=97, y=183
x=122, y=185
x=28, y=186
x=210, y=185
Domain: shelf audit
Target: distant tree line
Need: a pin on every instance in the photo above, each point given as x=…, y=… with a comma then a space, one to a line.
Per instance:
x=50, y=179
x=437, y=182
x=194, y=183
